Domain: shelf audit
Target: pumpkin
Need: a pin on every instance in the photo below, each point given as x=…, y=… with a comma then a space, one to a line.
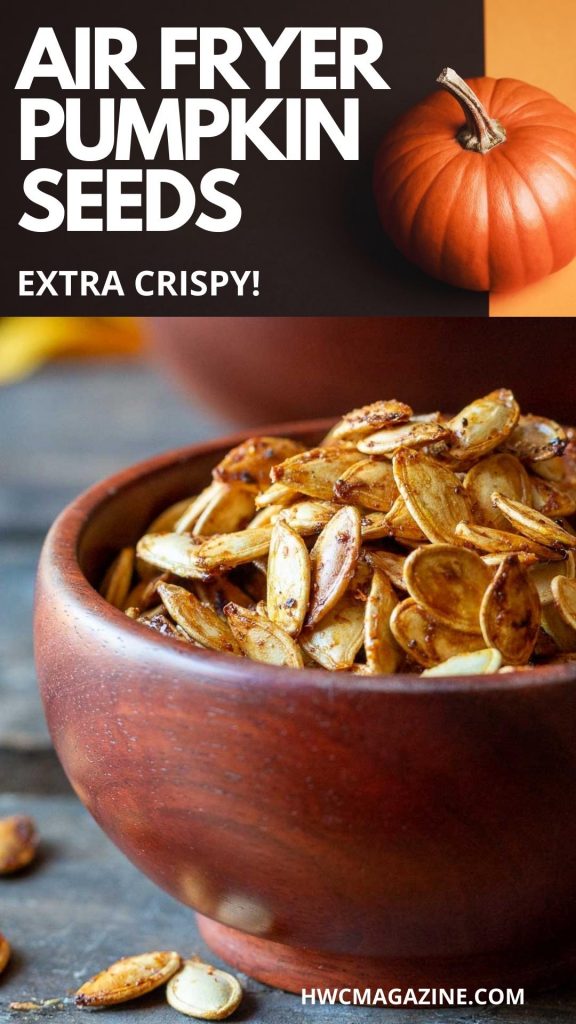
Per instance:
x=485, y=201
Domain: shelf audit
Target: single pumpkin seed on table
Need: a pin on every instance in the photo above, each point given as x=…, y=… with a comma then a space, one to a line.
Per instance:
x=128, y=978
x=202, y=991
x=18, y=843
x=303, y=557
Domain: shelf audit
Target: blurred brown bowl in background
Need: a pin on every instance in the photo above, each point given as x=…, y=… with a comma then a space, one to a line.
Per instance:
x=261, y=369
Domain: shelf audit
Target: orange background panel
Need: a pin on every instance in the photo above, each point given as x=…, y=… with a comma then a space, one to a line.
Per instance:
x=535, y=40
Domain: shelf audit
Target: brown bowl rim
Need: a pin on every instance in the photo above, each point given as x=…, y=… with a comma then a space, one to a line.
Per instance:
x=65, y=536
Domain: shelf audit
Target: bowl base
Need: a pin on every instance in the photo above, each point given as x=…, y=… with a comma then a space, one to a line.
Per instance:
x=294, y=969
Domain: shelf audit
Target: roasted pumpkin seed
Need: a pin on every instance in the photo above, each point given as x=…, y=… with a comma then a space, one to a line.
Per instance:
x=427, y=640
x=204, y=992
x=225, y=551
x=276, y=494
x=117, y=581
x=166, y=521
x=483, y=425
x=433, y=494
x=555, y=625
x=477, y=663
x=260, y=639
x=533, y=524
x=335, y=641
x=535, y=438
x=510, y=612
x=389, y=563
x=128, y=978
x=18, y=843
x=543, y=573
x=230, y=508
x=174, y=552
x=415, y=434
x=564, y=594
x=450, y=582
x=382, y=651
x=288, y=579
x=552, y=500
x=250, y=463
x=315, y=472
x=489, y=540
x=369, y=418
x=198, y=620
x=333, y=562
x=498, y=472
x=189, y=517
x=308, y=517
x=369, y=483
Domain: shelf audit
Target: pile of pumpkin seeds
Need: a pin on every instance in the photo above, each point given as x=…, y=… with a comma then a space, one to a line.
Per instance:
x=401, y=543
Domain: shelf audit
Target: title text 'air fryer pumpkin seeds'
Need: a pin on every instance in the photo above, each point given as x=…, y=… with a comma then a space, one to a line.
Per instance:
x=399, y=543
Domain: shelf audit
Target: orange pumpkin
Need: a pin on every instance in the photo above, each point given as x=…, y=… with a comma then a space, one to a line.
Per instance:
x=488, y=204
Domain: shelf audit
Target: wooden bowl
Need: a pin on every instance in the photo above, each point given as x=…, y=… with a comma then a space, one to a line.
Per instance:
x=261, y=369
x=329, y=829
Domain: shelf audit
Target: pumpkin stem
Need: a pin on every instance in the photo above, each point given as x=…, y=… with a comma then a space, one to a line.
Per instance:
x=481, y=132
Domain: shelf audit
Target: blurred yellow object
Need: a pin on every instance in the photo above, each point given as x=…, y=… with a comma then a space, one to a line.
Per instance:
x=27, y=342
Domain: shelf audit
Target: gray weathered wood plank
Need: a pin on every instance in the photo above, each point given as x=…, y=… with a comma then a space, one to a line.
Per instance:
x=83, y=905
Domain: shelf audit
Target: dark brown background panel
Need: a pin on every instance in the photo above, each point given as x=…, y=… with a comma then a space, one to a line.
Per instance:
x=310, y=228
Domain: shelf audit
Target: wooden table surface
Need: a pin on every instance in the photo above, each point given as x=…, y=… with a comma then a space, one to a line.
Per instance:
x=83, y=905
